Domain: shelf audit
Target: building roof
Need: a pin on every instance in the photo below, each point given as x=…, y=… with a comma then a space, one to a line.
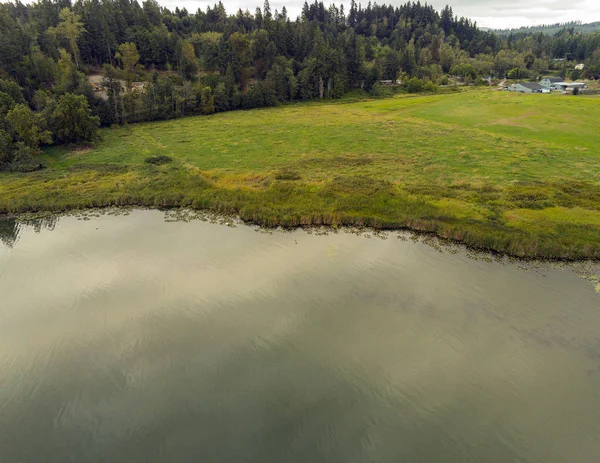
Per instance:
x=531, y=85
x=571, y=84
x=553, y=79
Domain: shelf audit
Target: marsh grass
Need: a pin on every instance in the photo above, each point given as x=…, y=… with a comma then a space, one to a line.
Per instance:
x=511, y=173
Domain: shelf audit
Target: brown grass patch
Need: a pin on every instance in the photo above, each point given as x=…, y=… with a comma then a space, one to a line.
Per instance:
x=81, y=150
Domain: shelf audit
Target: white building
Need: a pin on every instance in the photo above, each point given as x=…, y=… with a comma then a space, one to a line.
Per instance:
x=526, y=87
x=570, y=86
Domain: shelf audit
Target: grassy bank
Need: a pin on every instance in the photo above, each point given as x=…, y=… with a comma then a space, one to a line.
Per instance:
x=495, y=170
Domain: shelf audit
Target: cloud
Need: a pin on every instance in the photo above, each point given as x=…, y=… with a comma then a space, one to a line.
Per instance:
x=487, y=13
x=516, y=13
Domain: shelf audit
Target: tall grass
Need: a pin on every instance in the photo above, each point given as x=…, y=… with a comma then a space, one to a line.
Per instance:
x=486, y=178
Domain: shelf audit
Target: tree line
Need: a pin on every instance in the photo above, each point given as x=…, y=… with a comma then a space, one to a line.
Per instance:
x=153, y=63
x=555, y=28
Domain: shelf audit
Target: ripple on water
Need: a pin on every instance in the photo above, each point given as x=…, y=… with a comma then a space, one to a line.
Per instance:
x=158, y=336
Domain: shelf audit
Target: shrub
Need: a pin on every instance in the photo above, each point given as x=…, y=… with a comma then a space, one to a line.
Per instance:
x=287, y=174
x=414, y=85
x=25, y=159
x=430, y=87
x=382, y=91
x=158, y=160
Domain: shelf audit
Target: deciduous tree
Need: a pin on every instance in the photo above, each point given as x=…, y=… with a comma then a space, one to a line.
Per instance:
x=72, y=120
x=70, y=28
x=129, y=56
x=28, y=127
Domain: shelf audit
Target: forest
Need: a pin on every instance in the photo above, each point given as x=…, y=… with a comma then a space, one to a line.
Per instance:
x=67, y=69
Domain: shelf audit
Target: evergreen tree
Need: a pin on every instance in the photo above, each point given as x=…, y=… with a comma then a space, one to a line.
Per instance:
x=208, y=101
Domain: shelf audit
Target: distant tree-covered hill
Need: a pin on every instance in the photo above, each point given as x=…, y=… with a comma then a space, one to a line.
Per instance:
x=551, y=29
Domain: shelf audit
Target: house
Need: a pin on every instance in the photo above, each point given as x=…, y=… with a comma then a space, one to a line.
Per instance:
x=526, y=87
x=548, y=82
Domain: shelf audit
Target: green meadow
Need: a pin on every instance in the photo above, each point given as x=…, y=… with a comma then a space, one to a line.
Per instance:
x=495, y=170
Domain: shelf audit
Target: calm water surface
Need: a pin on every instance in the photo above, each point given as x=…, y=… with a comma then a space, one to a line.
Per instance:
x=130, y=339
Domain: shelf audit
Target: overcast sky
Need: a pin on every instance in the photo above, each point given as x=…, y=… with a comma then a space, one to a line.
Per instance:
x=487, y=13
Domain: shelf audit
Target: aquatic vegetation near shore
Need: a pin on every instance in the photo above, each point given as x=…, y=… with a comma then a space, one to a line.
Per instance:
x=586, y=269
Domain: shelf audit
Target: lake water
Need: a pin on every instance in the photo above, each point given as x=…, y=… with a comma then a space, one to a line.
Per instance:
x=133, y=339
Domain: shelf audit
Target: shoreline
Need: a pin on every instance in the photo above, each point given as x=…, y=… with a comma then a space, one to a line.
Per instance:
x=186, y=214
x=588, y=269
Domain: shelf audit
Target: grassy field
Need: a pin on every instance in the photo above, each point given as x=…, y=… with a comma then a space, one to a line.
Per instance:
x=496, y=170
